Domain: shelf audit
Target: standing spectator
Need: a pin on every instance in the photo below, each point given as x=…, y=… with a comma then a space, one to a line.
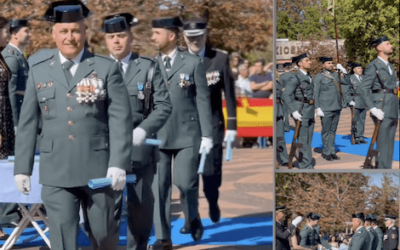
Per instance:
x=243, y=82
x=261, y=82
x=6, y=123
x=234, y=63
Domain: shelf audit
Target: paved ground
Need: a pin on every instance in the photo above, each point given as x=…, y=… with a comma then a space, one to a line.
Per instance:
x=247, y=191
x=347, y=161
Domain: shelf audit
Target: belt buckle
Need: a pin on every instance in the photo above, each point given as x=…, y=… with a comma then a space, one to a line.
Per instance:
x=395, y=91
x=311, y=102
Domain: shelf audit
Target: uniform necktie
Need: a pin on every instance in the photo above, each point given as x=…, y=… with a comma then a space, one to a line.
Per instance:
x=167, y=61
x=121, y=68
x=67, y=70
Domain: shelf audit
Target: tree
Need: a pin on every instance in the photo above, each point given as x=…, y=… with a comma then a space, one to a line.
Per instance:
x=335, y=197
x=234, y=25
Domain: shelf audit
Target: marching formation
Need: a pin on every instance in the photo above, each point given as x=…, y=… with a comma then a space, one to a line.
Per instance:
x=326, y=94
x=90, y=115
x=365, y=232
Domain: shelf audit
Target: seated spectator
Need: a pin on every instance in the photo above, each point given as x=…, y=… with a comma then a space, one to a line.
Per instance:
x=333, y=242
x=261, y=82
x=243, y=82
x=234, y=63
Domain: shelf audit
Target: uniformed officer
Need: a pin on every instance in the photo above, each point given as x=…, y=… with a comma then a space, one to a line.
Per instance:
x=187, y=132
x=309, y=234
x=374, y=92
x=372, y=233
x=282, y=231
x=280, y=132
x=135, y=71
x=353, y=97
x=16, y=62
x=361, y=239
x=391, y=236
x=283, y=79
x=300, y=88
x=378, y=230
x=216, y=65
x=86, y=132
x=328, y=105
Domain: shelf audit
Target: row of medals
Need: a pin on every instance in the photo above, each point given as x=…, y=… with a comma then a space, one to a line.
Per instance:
x=90, y=89
x=212, y=77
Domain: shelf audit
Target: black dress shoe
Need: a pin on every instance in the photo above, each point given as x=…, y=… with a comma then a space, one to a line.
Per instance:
x=327, y=157
x=335, y=157
x=215, y=213
x=285, y=164
x=161, y=245
x=363, y=142
x=357, y=142
x=185, y=229
x=196, y=229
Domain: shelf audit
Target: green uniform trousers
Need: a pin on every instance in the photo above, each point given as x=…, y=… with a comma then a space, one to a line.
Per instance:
x=385, y=142
x=280, y=132
x=305, y=137
x=62, y=206
x=360, y=116
x=186, y=163
x=328, y=133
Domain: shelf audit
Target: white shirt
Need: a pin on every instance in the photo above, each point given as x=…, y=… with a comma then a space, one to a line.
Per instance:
x=124, y=61
x=201, y=53
x=305, y=73
x=19, y=50
x=244, y=86
x=171, y=55
x=75, y=60
x=387, y=64
x=359, y=228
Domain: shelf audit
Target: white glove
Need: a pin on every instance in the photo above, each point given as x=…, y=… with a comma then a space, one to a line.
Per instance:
x=340, y=67
x=377, y=113
x=334, y=248
x=230, y=134
x=119, y=178
x=296, y=115
x=297, y=221
x=15, y=130
x=352, y=103
x=23, y=183
x=139, y=135
x=206, y=143
x=320, y=113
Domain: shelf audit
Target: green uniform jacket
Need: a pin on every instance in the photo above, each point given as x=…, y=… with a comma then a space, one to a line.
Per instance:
x=284, y=78
x=354, y=91
x=379, y=233
x=279, y=108
x=310, y=237
x=292, y=91
x=360, y=240
x=136, y=74
x=327, y=94
x=78, y=141
x=191, y=114
x=371, y=82
x=374, y=238
x=19, y=68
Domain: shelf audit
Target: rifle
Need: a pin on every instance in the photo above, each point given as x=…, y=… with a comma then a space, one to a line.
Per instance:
x=279, y=149
x=371, y=151
x=295, y=145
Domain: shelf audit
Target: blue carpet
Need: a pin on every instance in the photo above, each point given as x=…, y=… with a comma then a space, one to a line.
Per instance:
x=343, y=144
x=229, y=231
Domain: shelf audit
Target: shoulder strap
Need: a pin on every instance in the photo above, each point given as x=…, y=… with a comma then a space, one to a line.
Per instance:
x=148, y=91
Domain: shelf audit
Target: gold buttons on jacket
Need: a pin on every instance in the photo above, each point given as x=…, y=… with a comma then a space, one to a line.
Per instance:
x=69, y=109
x=71, y=137
x=70, y=123
x=69, y=95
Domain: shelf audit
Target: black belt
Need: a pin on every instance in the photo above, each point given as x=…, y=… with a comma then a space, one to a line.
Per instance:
x=385, y=91
x=305, y=100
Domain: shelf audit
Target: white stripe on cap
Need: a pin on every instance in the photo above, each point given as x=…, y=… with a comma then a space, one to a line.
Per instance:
x=197, y=32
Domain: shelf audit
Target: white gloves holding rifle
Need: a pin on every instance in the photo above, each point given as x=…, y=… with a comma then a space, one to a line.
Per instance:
x=341, y=68
x=297, y=221
x=230, y=134
x=296, y=115
x=352, y=103
x=377, y=113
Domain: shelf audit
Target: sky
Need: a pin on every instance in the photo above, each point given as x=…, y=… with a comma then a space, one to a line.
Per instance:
x=376, y=178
